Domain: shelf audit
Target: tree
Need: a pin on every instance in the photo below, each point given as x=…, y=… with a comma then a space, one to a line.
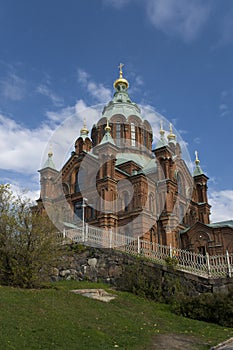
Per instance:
x=30, y=246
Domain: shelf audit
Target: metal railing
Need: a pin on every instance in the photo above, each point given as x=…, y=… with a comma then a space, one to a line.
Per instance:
x=203, y=265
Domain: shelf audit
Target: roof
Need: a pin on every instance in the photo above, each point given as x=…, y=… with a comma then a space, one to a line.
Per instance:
x=147, y=164
x=198, y=171
x=228, y=223
x=107, y=138
x=49, y=162
x=161, y=143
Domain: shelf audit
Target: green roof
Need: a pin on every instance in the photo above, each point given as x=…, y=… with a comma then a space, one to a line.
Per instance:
x=228, y=223
x=161, y=143
x=107, y=138
x=49, y=162
x=198, y=171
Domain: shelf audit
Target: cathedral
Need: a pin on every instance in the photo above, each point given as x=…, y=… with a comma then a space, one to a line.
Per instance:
x=118, y=179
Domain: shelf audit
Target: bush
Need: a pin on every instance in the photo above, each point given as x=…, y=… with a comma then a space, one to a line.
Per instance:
x=29, y=244
x=216, y=307
x=141, y=280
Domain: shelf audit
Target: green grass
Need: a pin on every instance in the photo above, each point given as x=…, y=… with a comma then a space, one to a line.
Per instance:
x=54, y=318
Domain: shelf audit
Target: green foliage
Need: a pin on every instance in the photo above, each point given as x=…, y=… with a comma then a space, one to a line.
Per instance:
x=29, y=244
x=141, y=279
x=144, y=280
x=77, y=248
x=217, y=307
x=171, y=262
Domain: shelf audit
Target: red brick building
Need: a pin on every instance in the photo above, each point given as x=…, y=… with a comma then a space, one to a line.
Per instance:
x=114, y=179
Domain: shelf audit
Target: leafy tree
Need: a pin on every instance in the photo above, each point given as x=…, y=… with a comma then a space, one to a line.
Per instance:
x=29, y=243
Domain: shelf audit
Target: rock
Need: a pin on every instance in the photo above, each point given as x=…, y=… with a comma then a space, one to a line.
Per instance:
x=55, y=272
x=92, y=262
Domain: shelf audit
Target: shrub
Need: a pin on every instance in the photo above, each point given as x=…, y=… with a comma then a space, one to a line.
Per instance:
x=216, y=307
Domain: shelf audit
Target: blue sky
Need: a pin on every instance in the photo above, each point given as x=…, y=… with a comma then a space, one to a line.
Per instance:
x=58, y=57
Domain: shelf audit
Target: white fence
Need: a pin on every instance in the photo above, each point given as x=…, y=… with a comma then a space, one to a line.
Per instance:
x=203, y=265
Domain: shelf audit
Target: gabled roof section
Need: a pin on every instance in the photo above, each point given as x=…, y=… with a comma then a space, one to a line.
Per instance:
x=107, y=138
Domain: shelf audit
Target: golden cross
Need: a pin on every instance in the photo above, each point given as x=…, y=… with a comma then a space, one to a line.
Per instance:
x=197, y=160
x=121, y=65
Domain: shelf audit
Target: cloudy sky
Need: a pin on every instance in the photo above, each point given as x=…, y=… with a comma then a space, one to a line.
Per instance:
x=59, y=57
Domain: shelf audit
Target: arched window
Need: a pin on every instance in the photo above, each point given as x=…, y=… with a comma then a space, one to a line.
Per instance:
x=145, y=137
x=79, y=180
x=118, y=134
x=78, y=209
x=125, y=196
x=92, y=213
x=181, y=212
x=133, y=135
x=179, y=184
x=151, y=203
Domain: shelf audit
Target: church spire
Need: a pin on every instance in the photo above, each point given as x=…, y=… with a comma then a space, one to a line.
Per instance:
x=107, y=127
x=121, y=82
x=162, y=141
x=197, y=170
x=171, y=136
x=49, y=162
x=84, y=131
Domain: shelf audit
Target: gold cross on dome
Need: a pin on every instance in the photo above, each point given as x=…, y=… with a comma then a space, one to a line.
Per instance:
x=121, y=65
x=197, y=160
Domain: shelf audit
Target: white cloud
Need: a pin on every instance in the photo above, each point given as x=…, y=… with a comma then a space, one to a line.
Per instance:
x=97, y=90
x=181, y=18
x=226, y=103
x=25, y=193
x=21, y=147
x=222, y=205
x=13, y=87
x=118, y=4
x=46, y=91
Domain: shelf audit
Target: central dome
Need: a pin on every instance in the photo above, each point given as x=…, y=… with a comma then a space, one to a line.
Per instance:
x=121, y=102
x=128, y=128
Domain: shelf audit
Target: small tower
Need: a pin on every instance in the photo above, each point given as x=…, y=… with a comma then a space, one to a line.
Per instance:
x=200, y=182
x=83, y=143
x=171, y=139
x=105, y=182
x=47, y=175
x=162, y=141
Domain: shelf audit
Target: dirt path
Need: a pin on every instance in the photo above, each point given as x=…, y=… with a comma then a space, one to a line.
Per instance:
x=174, y=342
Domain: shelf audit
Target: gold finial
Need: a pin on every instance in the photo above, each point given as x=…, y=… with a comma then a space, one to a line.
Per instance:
x=107, y=127
x=121, y=80
x=50, y=152
x=161, y=128
x=121, y=65
x=171, y=136
x=197, y=161
x=84, y=130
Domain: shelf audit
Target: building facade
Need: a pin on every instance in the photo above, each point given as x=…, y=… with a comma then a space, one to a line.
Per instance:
x=115, y=179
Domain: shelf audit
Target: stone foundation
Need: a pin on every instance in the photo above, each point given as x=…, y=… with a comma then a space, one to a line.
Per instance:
x=108, y=265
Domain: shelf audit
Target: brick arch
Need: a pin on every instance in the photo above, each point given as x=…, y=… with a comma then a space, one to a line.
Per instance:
x=118, y=118
x=146, y=125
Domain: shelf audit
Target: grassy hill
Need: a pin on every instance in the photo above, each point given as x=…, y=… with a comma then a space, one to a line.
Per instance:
x=54, y=318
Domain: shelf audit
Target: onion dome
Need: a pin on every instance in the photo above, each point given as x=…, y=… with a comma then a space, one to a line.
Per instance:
x=171, y=136
x=121, y=102
x=84, y=131
x=121, y=81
